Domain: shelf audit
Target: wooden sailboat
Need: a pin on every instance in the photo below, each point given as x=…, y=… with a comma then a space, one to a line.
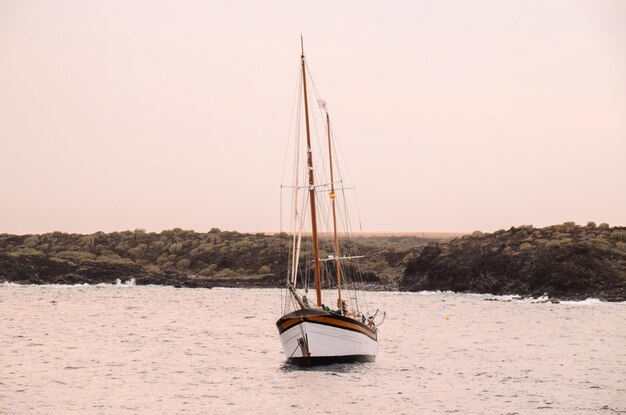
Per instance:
x=316, y=333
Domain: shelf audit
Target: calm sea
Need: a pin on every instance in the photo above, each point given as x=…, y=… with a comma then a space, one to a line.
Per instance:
x=152, y=350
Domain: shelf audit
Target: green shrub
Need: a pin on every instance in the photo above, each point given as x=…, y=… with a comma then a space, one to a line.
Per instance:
x=210, y=270
x=263, y=269
x=175, y=248
x=76, y=256
x=114, y=259
x=599, y=242
x=26, y=252
x=163, y=258
x=618, y=235
x=603, y=226
x=242, y=245
x=591, y=225
x=183, y=264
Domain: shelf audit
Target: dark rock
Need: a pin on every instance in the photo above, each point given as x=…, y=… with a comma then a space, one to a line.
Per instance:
x=496, y=264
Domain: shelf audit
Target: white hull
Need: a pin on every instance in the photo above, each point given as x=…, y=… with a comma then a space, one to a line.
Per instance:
x=309, y=342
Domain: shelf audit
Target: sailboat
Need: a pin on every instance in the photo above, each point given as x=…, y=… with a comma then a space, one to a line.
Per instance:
x=314, y=331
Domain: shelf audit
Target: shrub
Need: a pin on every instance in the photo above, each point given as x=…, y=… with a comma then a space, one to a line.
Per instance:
x=599, y=243
x=114, y=259
x=31, y=241
x=618, y=235
x=151, y=268
x=88, y=240
x=477, y=234
x=76, y=256
x=137, y=252
x=26, y=252
x=553, y=244
x=591, y=225
x=241, y=245
x=603, y=226
x=175, y=248
x=163, y=258
x=225, y=273
x=526, y=246
x=210, y=270
x=158, y=245
x=263, y=269
x=122, y=246
x=183, y=264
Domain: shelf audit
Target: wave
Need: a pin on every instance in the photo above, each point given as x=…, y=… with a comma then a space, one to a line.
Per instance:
x=128, y=283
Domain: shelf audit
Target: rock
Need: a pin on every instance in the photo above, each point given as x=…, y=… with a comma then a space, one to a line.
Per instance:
x=576, y=268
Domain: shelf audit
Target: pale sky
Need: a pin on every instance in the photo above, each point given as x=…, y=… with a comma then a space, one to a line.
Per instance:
x=453, y=115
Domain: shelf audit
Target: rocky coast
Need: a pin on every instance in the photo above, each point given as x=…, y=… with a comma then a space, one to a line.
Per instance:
x=565, y=261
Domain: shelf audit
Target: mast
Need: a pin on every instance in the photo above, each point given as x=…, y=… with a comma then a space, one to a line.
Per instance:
x=316, y=256
x=332, y=199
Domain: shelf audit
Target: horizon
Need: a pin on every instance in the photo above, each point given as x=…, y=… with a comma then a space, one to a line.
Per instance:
x=477, y=116
x=365, y=234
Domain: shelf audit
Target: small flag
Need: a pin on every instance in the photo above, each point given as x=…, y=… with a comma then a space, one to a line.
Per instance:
x=322, y=104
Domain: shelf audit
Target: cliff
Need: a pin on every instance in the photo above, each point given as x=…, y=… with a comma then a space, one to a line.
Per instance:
x=563, y=262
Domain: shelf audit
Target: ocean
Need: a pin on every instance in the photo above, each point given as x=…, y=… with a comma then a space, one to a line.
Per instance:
x=125, y=349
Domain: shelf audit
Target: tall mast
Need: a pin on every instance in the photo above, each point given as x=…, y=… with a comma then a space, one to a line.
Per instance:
x=332, y=199
x=316, y=255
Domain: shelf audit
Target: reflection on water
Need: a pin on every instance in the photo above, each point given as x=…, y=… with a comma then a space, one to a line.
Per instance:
x=126, y=349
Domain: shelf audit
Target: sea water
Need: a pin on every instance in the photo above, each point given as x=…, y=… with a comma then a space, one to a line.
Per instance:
x=124, y=349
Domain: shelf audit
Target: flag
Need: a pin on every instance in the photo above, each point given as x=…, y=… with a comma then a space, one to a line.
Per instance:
x=322, y=104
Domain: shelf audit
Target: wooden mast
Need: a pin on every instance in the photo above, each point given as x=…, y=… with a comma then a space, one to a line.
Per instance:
x=332, y=199
x=318, y=282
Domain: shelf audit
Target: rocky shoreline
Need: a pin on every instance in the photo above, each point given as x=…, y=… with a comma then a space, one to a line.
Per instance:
x=38, y=270
x=561, y=262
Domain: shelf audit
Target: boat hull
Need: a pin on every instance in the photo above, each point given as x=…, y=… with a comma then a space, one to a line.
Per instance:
x=315, y=337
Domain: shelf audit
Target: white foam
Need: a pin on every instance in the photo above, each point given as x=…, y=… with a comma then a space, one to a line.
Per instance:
x=587, y=301
x=128, y=283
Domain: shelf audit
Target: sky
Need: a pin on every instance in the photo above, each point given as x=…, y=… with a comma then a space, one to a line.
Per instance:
x=453, y=116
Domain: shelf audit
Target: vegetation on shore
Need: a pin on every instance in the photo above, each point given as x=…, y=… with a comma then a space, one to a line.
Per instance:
x=565, y=261
x=562, y=261
x=178, y=255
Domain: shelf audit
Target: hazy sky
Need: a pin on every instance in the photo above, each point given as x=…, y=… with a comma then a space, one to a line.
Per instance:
x=454, y=115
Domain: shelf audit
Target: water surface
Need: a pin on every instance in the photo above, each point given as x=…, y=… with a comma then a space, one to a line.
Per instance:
x=146, y=350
